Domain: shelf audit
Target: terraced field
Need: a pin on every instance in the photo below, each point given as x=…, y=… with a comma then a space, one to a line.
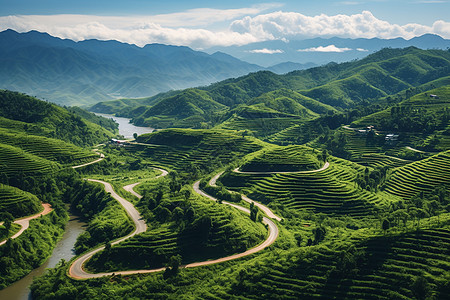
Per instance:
x=420, y=176
x=17, y=202
x=296, y=134
x=380, y=268
x=229, y=232
x=290, y=158
x=186, y=149
x=14, y=160
x=329, y=191
x=51, y=149
x=261, y=127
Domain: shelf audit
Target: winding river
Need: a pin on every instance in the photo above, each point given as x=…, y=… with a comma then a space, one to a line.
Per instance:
x=20, y=290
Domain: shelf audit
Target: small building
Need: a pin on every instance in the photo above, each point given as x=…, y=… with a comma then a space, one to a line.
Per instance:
x=391, y=137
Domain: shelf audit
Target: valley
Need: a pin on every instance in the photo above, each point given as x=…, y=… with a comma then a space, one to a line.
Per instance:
x=325, y=183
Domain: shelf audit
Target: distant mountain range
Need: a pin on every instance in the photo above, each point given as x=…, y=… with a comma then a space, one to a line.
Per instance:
x=321, y=51
x=87, y=72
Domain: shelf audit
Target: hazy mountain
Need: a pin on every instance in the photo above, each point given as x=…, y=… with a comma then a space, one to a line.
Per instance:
x=302, y=93
x=86, y=72
x=349, y=49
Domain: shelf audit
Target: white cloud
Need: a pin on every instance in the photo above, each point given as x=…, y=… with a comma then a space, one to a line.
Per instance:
x=330, y=48
x=362, y=50
x=266, y=51
x=291, y=25
x=199, y=28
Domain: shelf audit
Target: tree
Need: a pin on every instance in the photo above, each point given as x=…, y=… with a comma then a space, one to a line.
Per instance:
x=253, y=212
x=299, y=239
x=8, y=219
x=385, y=225
x=420, y=287
x=319, y=234
x=135, y=135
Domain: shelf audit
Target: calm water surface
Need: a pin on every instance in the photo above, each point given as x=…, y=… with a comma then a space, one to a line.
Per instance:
x=126, y=128
x=20, y=290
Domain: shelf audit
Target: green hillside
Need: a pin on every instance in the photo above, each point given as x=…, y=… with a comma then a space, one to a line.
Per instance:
x=194, y=151
x=17, y=202
x=330, y=191
x=421, y=176
x=191, y=108
x=47, y=148
x=283, y=159
x=15, y=161
x=196, y=230
x=320, y=90
x=34, y=116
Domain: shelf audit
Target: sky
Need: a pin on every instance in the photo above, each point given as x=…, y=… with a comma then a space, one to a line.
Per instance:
x=203, y=24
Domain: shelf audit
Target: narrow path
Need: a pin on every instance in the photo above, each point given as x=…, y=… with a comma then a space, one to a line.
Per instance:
x=130, y=187
x=264, y=208
x=25, y=222
x=102, y=156
x=272, y=227
x=324, y=167
x=76, y=270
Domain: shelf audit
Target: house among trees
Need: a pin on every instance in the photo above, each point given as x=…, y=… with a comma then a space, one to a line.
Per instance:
x=367, y=130
x=391, y=137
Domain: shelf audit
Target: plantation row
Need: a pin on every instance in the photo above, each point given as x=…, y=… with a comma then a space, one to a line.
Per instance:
x=14, y=160
x=290, y=158
x=195, y=149
x=407, y=266
x=17, y=202
x=51, y=149
x=260, y=127
x=329, y=191
x=420, y=176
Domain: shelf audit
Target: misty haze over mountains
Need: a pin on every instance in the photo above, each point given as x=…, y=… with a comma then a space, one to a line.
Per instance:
x=87, y=72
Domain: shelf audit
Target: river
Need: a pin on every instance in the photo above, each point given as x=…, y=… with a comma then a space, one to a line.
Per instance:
x=126, y=128
x=20, y=290
x=64, y=249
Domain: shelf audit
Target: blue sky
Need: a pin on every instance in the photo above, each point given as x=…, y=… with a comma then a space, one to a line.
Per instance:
x=202, y=24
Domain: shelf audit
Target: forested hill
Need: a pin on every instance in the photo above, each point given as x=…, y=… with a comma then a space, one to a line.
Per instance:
x=85, y=72
x=26, y=114
x=321, y=89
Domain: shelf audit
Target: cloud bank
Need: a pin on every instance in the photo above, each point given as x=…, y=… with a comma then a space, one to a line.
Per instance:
x=330, y=48
x=199, y=28
x=266, y=51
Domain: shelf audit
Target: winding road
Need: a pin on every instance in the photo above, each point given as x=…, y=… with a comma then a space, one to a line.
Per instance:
x=264, y=208
x=25, y=222
x=130, y=187
x=102, y=156
x=76, y=270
